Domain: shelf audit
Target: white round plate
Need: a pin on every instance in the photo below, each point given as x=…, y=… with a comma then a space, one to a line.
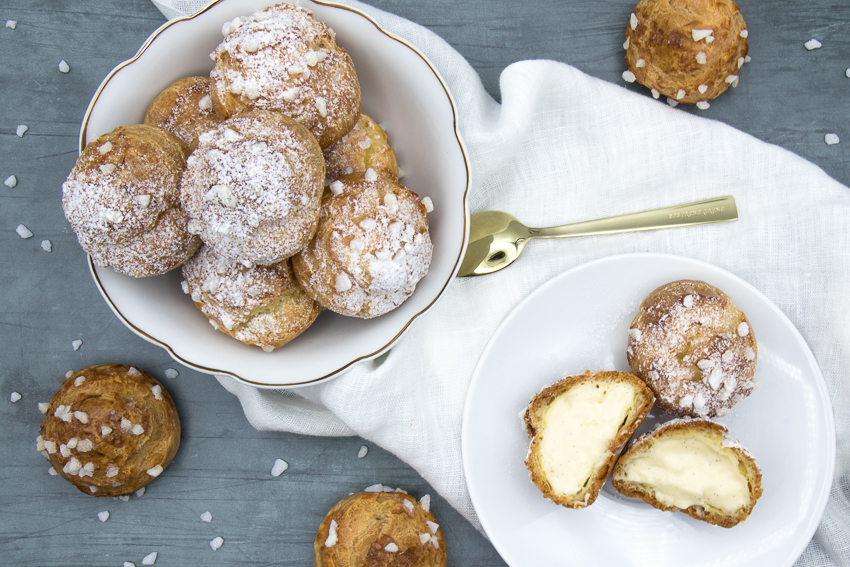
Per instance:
x=400, y=89
x=578, y=321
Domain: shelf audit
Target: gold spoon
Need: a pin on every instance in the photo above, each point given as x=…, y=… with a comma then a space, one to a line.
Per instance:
x=496, y=239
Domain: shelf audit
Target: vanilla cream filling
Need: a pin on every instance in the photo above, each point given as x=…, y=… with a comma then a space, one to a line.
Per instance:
x=577, y=429
x=687, y=471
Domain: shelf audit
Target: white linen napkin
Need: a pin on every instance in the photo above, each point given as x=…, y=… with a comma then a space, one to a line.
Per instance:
x=564, y=147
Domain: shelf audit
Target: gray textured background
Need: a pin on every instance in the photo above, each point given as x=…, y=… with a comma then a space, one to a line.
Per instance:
x=788, y=96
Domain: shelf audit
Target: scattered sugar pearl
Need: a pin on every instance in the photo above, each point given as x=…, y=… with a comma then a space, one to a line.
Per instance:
x=103, y=516
x=432, y=526
x=85, y=445
x=672, y=102
x=155, y=471
x=137, y=429
x=634, y=333
x=79, y=380
x=741, y=62
x=15, y=397
x=680, y=94
x=124, y=498
x=626, y=43
x=688, y=301
x=279, y=467
x=81, y=416
x=52, y=472
x=640, y=63
x=368, y=224
x=371, y=176
x=105, y=430
x=76, y=344
x=744, y=33
x=42, y=407
x=628, y=76
x=831, y=139
x=709, y=39
x=268, y=348
x=435, y=542
x=64, y=450
x=400, y=172
x=342, y=283
x=703, y=105
x=425, y=502
x=336, y=187
x=171, y=373
x=701, y=58
x=743, y=329
x=126, y=424
x=331, y=540
x=143, y=200
x=11, y=24
x=424, y=538
x=206, y=517
x=702, y=89
x=364, y=144
x=655, y=94
x=10, y=181
x=409, y=505
x=847, y=73
x=715, y=378
x=72, y=467
x=362, y=453
x=216, y=543
x=391, y=201
x=64, y=67
x=133, y=371
x=429, y=205
x=749, y=353
x=731, y=78
x=391, y=547
x=105, y=148
x=633, y=21
x=813, y=44
x=111, y=471
x=23, y=231
x=747, y=59
x=72, y=442
x=149, y=559
x=21, y=130
x=156, y=390
x=140, y=492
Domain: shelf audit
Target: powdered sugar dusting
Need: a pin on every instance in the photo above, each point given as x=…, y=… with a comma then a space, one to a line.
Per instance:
x=243, y=189
x=690, y=351
x=265, y=57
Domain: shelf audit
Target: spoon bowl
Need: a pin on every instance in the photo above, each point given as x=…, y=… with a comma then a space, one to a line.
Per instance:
x=496, y=239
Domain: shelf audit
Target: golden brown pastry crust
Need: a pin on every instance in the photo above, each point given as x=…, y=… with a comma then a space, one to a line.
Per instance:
x=184, y=108
x=365, y=146
x=282, y=59
x=662, y=40
x=710, y=430
x=371, y=248
x=123, y=201
x=253, y=187
x=694, y=348
x=123, y=424
x=533, y=417
x=367, y=522
x=263, y=306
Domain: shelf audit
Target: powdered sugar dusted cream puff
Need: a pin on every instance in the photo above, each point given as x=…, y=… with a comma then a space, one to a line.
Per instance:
x=253, y=187
x=693, y=346
x=282, y=59
x=110, y=429
x=365, y=146
x=123, y=201
x=184, y=108
x=688, y=50
x=258, y=305
x=371, y=248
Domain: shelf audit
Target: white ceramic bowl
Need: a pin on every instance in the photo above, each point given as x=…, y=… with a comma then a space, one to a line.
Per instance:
x=400, y=89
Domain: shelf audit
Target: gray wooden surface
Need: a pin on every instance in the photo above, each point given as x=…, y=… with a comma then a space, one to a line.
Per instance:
x=788, y=96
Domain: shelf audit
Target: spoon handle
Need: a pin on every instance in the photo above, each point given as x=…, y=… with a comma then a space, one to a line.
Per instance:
x=708, y=211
